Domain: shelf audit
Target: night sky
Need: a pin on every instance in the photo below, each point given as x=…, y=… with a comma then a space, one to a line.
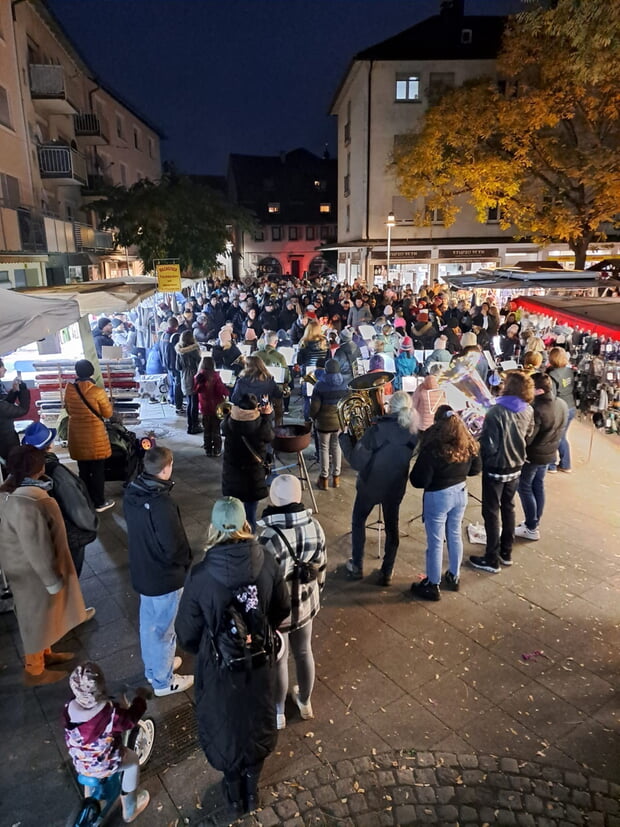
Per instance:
x=246, y=76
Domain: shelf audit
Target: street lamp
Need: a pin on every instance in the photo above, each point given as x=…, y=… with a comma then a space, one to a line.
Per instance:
x=391, y=222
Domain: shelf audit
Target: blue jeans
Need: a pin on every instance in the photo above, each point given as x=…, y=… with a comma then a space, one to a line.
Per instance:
x=250, y=513
x=158, y=640
x=564, y=446
x=443, y=518
x=532, y=493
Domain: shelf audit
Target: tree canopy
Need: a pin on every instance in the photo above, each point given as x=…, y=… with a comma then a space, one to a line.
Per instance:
x=175, y=217
x=540, y=141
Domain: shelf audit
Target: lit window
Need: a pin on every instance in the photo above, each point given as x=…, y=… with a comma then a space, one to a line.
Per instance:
x=325, y=208
x=407, y=87
x=273, y=208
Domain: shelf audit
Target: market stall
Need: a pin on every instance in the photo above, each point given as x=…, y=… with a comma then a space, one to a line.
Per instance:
x=593, y=315
x=25, y=319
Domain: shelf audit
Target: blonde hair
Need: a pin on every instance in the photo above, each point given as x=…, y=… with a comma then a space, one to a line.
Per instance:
x=558, y=357
x=215, y=537
x=312, y=333
x=532, y=360
x=255, y=369
x=400, y=404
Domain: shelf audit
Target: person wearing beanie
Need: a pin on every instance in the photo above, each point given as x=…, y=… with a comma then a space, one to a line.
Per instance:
x=94, y=725
x=469, y=339
x=225, y=353
x=235, y=710
x=296, y=540
x=102, y=335
x=405, y=362
x=347, y=355
x=440, y=354
x=69, y=491
x=423, y=331
x=88, y=406
x=329, y=390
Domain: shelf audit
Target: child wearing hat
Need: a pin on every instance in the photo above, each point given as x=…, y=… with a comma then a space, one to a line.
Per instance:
x=94, y=725
x=405, y=362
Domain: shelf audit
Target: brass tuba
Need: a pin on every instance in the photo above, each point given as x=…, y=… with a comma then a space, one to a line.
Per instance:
x=223, y=409
x=363, y=404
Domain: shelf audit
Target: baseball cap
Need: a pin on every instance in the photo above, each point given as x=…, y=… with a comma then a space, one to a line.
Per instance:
x=228, y=514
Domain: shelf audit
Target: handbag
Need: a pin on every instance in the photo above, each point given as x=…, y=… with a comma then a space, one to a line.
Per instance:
x=303, y=571
x=267, y=466
x=87, y=403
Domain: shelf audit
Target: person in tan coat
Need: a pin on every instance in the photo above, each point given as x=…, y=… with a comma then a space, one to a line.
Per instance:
x=88, y=405
x=35, y=556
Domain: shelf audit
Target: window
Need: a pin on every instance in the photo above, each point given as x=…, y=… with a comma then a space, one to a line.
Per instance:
x=124, y=175
x=292, y=234
x=407, y=87
x=4, y=277
x=151, y=148
x=273, y=208
x=434, y=216
x=276, y=233
x=325, y=208
x=439, y=83
x=310, y=234
x=494, y=214
x=324, y=232
x=120, y=129
x=347, y=126
x=5, y=114
x=9, y=190
x=136, y=139
x=347, y=185
x=466, y=36
x=259, y=235
x=348, y=215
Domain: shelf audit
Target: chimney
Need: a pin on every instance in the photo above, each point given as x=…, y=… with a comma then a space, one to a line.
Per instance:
x=452, y=8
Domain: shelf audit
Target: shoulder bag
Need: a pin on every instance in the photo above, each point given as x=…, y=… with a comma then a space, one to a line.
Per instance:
x=304, y=572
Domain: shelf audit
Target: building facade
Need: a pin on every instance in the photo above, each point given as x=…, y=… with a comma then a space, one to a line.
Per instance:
x=384, y=95
x=293, y=197
x=62, y=135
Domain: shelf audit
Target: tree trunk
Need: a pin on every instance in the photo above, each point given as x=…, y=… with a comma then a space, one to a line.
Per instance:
x=580, y=248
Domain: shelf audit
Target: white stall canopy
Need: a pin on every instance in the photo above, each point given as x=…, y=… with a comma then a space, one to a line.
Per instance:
x=25, y=319
x=106, y=296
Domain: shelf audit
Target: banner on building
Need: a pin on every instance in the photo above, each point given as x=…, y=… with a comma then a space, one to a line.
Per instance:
x=168, y=277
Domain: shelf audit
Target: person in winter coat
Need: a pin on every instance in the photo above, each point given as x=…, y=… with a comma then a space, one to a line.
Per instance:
x=211, y=391
x=88, y=405
x=235, y=710
x=248, y=433
x=508, y=427
x=448, y=455
x=167, y=345
x=159, y=559
x=69, y=491
x=272, y=358
x=188, y=360
x=252, y=328
x=226, y=353
x=550, y=420
x=439, y=355
x=347, y=355
x=13, y=405
x=563, y=378
x=423, y=331
x=268, y=317
x=405, y=362
x=102, y=335
x=426, y=399
x=35, y=557
x=94, y=725
x=255, y=379
x=292, y=536
x=382, y=459
x=202, y=334
x=359, y=314
x=326, y=395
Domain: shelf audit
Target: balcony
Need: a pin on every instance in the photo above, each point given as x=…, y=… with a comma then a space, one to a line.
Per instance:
x=89, y=239
x=90, y=129
x=62, y=164
x=97, y=185
x=47, y=90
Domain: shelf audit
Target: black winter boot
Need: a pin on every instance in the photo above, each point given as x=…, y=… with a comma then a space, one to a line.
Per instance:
x=233, y=795
x=252, y=801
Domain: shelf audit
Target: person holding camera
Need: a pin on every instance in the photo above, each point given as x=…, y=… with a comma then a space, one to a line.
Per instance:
x=297, y=541
x=13, y=405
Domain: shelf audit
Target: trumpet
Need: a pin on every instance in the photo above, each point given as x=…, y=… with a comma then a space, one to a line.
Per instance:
x=223, y=409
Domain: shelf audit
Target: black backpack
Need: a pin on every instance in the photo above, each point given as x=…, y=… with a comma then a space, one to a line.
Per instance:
x=244, y=639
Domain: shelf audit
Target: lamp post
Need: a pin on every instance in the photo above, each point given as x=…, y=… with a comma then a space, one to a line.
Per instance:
x=391, y=222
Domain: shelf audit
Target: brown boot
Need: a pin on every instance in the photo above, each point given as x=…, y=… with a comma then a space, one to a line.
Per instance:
x=322, y=483
x=44, y=677
x=336, y=481
x=54, y=658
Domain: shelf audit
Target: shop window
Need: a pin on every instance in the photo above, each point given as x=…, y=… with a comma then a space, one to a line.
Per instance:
x=276, y=233
x=407, y=87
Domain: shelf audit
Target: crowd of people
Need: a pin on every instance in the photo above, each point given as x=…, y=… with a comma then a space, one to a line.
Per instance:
x=253, y=595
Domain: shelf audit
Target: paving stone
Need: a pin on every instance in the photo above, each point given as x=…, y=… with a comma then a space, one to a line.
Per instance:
x=426, y=814
x=541, y=788
x=305, y=801
x=447, y=812
x=267, y=817
x=445, y=794
x=488, y=815
x=510, y=799
x=406, y=814
x=526, y=820
x=374, y=820
x=403, y=795
x=344, y=787
x=404, y=776
x=337, y=809
x=426, y=795
x=345, y=769
x=598, y=785
x=552, y=773
x=362, y=764
x=294, y=822
x=385, y=778
x=447, y=759
x=468, y=813
x=509, y=765
x=530, y=770
x=608, y=805
x=466, y=795
x=519, y=783
x=472, y=777
x=595, y=819
x=488, y=763
x=506, y=817
x=554, y=809
x=425, y=759
x=324, y=794
x=426, y=776
x=574, y=815
x=447, y=775
x=357, y=804
x=468, y=761
x=287, y=808
x=575, y=779
x=498, y=779
x=533, y=804
x=582, y=799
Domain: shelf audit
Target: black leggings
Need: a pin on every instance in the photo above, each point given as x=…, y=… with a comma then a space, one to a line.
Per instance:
x=92, y=473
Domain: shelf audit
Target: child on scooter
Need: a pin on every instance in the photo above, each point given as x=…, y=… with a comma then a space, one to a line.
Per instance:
x=93, y=734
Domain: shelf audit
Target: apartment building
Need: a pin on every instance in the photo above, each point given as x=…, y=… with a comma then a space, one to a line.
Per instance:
x=63, y=135
x=383, y=95
x=293, y=197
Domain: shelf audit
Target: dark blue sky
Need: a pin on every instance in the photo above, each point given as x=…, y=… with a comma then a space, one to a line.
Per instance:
x=248, y=76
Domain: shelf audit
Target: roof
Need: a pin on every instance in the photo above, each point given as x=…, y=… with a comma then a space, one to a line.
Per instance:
x=26, y=319
x=600, y=315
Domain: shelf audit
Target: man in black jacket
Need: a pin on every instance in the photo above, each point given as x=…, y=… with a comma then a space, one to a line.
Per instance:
x=347, y=354
x=13, y=405
x=167, y=350
x=550, y=418
x=159, y=559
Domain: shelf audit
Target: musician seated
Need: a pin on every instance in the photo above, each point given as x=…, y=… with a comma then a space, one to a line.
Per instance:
x=226, y=353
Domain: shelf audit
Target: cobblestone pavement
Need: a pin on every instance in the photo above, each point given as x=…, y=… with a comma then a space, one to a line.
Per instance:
x=398, y=788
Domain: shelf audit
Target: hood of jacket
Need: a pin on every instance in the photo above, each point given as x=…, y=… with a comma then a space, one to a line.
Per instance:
x=512, y=403
x=180, y=349
x=331, y=381
x=235, y=564
x=147, y=487
x=286, y=516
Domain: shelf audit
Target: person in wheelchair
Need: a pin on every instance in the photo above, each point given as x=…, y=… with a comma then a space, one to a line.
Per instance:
x=94, y=725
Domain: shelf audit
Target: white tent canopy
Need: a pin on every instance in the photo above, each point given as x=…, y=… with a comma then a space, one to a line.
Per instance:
x=25, y=319
x=106, y=296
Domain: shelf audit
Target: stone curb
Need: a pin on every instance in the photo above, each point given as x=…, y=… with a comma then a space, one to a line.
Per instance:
x=401, y=788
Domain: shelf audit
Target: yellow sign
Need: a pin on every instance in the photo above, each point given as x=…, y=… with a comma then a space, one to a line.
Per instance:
x=168, y=278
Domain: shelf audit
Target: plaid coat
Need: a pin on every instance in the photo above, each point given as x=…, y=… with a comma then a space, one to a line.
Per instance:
x=308, y=540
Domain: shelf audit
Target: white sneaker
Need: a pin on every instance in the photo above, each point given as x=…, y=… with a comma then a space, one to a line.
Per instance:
x=180, y=683
x=305, y=710
x=176, y=664
x=107, y=504
x=526, y=533
x=280, y=720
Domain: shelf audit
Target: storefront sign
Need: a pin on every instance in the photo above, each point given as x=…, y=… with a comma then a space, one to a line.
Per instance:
x=168, y=278
x=476, y=254
x=402, y=255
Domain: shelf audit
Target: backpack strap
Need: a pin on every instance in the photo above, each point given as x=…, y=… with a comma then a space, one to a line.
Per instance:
x=87, y=403
x=287, y=544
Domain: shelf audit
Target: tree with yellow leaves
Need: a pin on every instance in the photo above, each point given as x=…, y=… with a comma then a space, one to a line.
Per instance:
x=541, y=141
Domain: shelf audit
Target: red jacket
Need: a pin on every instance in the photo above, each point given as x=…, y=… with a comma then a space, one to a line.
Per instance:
x=211, y=391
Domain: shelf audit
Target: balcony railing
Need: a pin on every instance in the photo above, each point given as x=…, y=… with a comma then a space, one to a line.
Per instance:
x=63, y=164
x=90, y=125
x=87, y=238
x=48, y=89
